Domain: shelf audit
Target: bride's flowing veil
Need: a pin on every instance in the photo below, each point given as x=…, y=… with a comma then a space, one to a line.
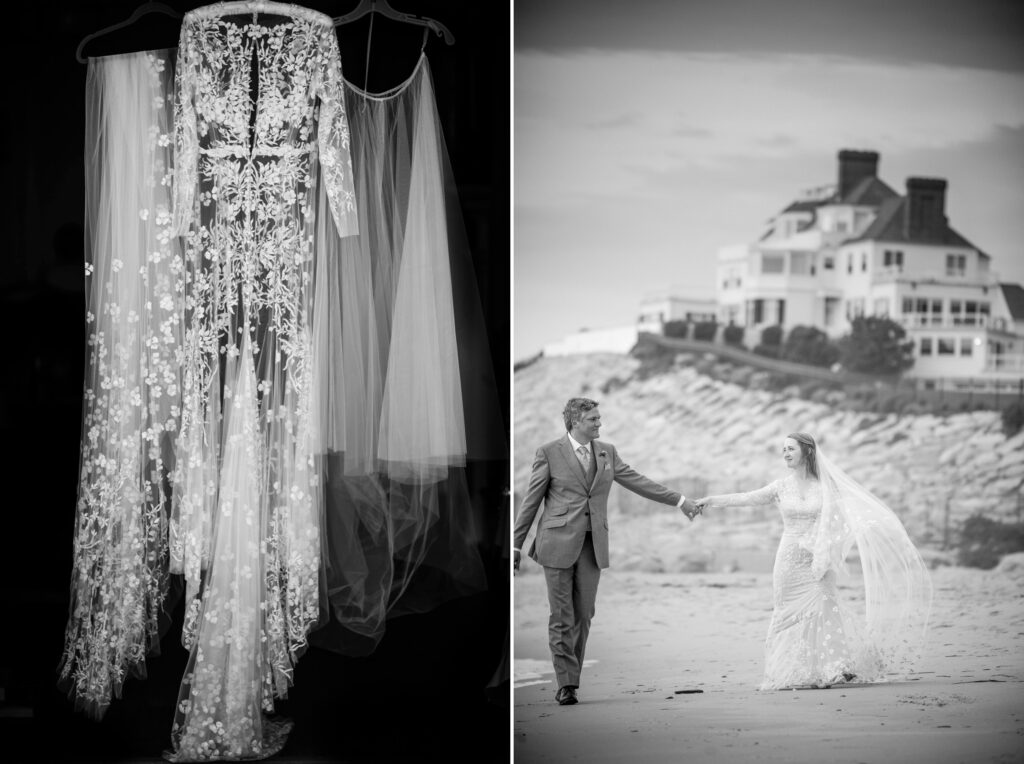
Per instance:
x=133, y=275
x=897, y=585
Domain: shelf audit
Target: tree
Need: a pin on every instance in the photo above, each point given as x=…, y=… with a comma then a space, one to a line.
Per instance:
x=809, y=345
x=875, y=345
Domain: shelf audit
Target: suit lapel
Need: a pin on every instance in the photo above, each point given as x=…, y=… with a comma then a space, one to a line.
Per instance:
x=600, y=456
x=574, y=463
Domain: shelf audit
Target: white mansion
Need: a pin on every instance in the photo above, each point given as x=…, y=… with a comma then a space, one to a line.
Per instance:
x=860, y=248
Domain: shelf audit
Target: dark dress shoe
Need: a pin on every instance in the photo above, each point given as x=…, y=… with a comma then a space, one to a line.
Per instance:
x=566, y=696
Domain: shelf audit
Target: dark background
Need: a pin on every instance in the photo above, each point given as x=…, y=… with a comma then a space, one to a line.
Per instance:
x=423, y=694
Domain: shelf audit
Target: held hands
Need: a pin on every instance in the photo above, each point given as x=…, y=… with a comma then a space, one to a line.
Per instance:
x=690, y=508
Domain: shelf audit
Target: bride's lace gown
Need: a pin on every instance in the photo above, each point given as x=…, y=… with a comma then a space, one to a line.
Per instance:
x=260, y=122
x=811, y=639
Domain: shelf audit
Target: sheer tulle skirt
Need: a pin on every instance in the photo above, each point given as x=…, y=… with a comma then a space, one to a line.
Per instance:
x=398, y=326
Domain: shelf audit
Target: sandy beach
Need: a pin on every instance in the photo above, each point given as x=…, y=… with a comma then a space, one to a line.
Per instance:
x=656, y=637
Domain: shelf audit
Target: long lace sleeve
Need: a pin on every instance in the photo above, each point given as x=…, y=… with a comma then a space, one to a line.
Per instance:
x=186, y=133
x=333, y=139
x=769, y=494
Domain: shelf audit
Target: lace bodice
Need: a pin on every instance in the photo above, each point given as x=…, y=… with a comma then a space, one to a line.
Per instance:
x=266, y=92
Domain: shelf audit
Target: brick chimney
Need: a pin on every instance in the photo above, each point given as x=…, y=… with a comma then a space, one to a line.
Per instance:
x=924, y=214
x=854, y=166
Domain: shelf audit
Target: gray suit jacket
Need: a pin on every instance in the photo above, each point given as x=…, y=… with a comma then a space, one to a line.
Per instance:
x=559, y=482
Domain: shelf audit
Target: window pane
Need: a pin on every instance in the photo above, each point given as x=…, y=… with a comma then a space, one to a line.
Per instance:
x=772, y=263
x=947, y=346
x=926, y=346
x=800, y=263
x=966, y=346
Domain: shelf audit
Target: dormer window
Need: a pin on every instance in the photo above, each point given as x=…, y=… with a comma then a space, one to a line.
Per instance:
x=956, y=265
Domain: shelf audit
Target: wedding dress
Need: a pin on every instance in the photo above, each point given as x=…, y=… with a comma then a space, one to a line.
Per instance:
x=260, y=124
x=816, y=637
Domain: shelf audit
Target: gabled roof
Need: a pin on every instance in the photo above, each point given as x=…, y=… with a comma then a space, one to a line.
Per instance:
x=804, y=206
x=869, y=192
x=888, y=226
x=1014, y=296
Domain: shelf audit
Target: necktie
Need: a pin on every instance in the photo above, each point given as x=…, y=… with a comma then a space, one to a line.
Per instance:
x=584, y=456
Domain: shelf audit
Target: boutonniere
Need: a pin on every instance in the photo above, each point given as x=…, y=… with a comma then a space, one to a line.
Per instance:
x=604, y=455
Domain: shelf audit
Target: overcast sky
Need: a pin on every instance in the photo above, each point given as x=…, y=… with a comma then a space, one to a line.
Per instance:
x=649, y=134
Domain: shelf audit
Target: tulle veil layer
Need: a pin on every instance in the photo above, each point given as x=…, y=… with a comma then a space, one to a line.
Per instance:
x=130, y=412
x=408, y=393
x=897, y=585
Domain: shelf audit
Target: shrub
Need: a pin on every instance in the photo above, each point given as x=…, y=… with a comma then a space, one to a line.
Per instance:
x=1013, y=419
x=984, y=541
x=733, y=335
x=875, y=346
x=772, y=335
x=705, y=330
x=677, y=329
x=809, y=345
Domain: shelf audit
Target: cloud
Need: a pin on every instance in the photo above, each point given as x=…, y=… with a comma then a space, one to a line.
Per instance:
x=690, y=131
x=733, y=106
x=612, y=123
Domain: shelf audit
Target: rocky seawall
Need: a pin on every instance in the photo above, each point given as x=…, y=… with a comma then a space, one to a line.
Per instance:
x=705, y=436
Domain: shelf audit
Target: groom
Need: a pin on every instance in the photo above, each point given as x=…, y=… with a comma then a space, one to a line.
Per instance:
x=572, y=476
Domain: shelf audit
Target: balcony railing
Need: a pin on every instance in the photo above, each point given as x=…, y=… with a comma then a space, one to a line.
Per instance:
x=1008, y=363
x=943, y=321
x=886, y=273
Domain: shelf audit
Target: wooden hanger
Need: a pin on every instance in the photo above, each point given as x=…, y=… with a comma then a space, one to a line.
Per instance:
x=382, y=7
x=138, y=13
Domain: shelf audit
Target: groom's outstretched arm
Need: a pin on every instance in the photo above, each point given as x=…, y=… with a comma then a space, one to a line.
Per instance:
x=639, y=484
x=537, y=489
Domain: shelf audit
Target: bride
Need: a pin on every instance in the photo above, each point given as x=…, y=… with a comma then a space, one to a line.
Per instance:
x=815, y=638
